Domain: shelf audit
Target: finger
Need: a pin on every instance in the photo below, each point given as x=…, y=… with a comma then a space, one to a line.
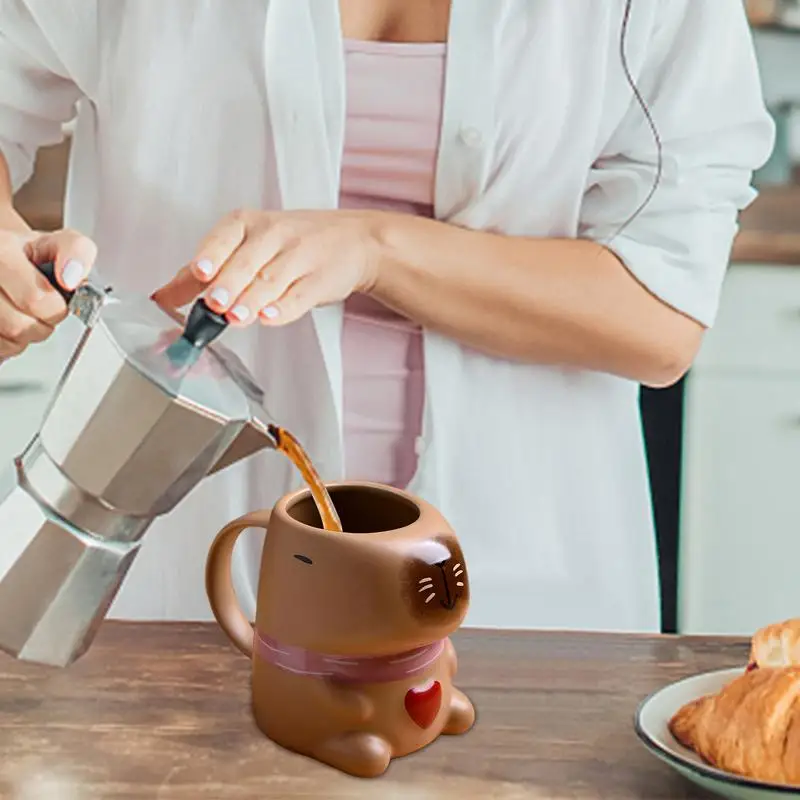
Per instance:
x=73, y=254
x=223, y=239
x=182, y=289
x=241, y=269
x=9, y=349
x=221, y=242
x=299, y=299
x=270, y=285
x=18, y=328
x=26, y=289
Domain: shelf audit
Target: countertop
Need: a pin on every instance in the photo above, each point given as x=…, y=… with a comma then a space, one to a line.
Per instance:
x=161, y=710
x=770, y=227
x=768, y=15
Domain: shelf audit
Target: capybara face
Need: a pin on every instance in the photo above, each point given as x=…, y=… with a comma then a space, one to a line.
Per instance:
x=362, y=594
x=434, y=582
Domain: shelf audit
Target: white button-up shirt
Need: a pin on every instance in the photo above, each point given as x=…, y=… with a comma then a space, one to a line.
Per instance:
x=191, y=108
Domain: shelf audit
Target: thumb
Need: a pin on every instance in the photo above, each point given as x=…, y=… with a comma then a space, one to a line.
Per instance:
x=73, y=254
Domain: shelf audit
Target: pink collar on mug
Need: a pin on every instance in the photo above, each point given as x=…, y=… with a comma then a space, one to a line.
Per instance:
x=350, y=669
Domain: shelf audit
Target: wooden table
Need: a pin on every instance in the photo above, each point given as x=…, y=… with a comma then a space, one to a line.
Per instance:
x=161, y=711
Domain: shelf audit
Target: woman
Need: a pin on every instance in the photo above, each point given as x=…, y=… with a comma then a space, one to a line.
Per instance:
x=472, y=230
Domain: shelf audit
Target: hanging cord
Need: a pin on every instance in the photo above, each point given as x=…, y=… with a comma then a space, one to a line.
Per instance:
x=643, y=105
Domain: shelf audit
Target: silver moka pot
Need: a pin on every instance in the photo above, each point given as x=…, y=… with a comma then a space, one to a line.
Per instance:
x=145, y=409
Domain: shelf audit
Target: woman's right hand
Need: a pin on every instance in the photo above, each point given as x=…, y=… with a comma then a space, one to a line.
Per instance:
x=30, y=307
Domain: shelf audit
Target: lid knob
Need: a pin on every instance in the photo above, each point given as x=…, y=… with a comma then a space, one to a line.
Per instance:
x=203, y=325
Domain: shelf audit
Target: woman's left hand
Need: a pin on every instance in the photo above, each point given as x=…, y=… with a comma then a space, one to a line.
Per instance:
x=276, y=266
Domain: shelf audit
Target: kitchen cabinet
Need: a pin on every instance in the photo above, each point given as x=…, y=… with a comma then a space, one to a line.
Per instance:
x=782, y=15
x=740, y=513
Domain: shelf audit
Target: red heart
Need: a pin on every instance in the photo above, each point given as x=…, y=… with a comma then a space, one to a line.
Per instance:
x=423, y=704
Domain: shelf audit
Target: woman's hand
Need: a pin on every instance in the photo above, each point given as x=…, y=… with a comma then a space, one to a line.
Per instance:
x=30, y=307
x=276, y=266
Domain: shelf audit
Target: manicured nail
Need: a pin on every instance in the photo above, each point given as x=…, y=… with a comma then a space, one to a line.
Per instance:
x=220, y=296
x=72, y=274
x=240, y=313
x=205, y=267
x=270, y=312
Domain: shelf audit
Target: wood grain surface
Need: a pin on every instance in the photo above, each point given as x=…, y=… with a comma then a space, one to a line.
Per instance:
x=161, y=710
x=770, y=228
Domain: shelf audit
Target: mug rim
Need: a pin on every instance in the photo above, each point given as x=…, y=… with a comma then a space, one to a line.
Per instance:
x=285, y=504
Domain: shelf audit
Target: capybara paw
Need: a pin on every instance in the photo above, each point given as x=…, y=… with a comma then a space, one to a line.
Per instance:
x=364, y=755
x=462, y=714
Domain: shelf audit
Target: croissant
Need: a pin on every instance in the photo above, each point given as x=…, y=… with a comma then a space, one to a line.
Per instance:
x=750, y=728
x=776, y=645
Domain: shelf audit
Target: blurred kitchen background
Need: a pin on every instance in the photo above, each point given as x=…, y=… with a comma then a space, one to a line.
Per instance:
x=723, y=445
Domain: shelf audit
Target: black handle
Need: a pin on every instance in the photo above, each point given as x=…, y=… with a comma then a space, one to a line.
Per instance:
x=203, y=325
x=48, y=269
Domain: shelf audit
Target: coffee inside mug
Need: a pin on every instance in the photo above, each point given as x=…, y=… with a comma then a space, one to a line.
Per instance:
x=361, y=509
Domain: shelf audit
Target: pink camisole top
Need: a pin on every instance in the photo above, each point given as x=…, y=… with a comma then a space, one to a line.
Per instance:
x=394, y=105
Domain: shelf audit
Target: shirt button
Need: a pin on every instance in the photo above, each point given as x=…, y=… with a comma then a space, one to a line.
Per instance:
x=471, y=137
x=419, y=445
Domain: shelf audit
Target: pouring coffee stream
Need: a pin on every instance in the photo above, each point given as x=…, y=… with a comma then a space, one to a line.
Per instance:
x=295, y=452
x=203, y=326
x=130, y=430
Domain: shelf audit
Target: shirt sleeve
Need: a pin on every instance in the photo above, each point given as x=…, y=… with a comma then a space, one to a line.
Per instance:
x=699, y=78
x=37, y=92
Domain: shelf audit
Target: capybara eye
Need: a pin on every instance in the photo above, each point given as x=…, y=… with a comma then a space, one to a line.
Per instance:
x=430, y=551
x=304, y=559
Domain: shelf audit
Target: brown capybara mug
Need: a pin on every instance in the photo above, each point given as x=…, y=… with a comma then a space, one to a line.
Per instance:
x=352, y=664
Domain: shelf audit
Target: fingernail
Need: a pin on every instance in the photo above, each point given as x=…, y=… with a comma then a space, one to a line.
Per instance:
x=205, y=267
x=220, y=296
x=240, y=313
x=270, y=312
x=72, y=274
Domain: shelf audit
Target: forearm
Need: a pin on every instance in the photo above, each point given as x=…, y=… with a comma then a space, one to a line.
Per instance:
x=10, y=220
x=544, y=301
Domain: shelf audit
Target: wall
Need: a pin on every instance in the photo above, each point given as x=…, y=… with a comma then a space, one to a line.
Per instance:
x=779, y=60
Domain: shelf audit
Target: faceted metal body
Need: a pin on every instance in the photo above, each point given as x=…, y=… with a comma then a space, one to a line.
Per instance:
x=129, y=432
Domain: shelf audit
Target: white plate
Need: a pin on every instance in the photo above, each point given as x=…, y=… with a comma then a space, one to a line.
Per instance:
x=651, y=724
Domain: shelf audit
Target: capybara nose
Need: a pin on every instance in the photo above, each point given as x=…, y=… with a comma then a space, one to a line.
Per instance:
x=436, y=578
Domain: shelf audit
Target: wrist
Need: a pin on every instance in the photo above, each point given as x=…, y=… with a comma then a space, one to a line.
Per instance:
x=386, y=231
x=370, y=224
x=12, y=221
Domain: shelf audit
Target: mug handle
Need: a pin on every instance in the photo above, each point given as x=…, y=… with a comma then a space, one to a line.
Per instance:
x=219, y=583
